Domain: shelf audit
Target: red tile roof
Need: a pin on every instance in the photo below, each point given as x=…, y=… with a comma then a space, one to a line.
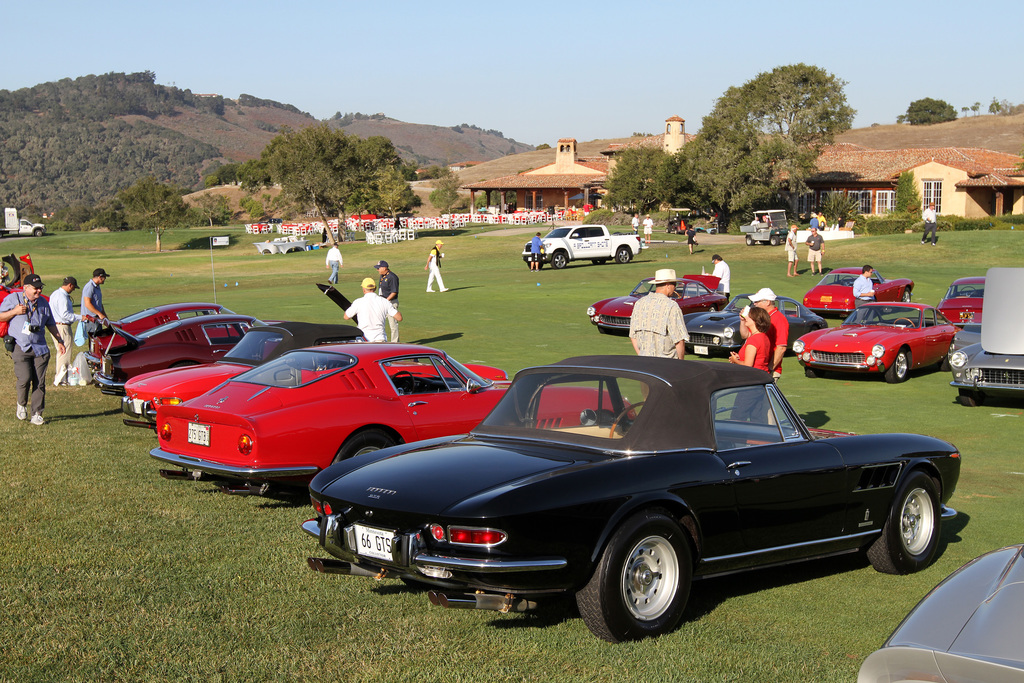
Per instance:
x=845, y=162
x=540, y=181
x=655, y=141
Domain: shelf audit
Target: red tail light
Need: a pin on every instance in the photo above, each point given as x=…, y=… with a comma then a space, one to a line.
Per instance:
x=165, y=431
x=245, y=444
x=316, y=505
x=474, y=536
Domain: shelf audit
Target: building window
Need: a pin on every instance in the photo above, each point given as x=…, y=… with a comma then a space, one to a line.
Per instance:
x=933, y=193
x=863, y=198
x=885, y=201
x=805, y=202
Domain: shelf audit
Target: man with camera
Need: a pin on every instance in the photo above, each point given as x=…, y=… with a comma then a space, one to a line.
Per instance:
x=28, y=316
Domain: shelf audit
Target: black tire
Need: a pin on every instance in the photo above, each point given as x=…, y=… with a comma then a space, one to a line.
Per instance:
x=900, y=368
x=970, y=398
x=623, y=255
x=365, y=441
x=38, y=232
x=811, y=372
x=910, y=535
x=774, y=241
x=907, y=293
x=750, y=241
x=944, y=365
x=559, y=260
x=641, y=584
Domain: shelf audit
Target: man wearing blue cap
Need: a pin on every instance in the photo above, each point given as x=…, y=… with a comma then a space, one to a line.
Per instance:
x=388, y=288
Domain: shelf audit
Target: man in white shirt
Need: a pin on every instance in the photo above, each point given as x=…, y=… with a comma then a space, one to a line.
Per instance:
x=372, y=310
x=723, y=274
x=334, y=262
x=648, y=229
x=930, y=219
x=63, y=309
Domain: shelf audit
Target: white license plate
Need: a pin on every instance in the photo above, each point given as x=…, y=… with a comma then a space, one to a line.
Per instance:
x=376, y=543
x=198, y=434
x=700, y=350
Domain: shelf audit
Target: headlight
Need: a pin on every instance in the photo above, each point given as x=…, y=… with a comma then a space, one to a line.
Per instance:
x=591, y=312
x=728, y=331
x=958, y=359
x=798, y=347
x=877, y=350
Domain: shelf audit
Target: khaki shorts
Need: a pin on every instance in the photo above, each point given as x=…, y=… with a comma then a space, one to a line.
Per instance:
x=791, y=255
x=813, y=256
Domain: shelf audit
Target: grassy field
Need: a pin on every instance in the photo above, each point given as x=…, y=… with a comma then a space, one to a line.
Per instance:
x=108, y=572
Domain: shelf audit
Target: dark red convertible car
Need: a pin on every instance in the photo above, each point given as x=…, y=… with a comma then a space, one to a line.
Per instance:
x=888, y=339
x=259, y=345
x=202, y=339
x=693, y=296
x=287, y=419
x=144, y=320
x=963, y=301
x=834, y=294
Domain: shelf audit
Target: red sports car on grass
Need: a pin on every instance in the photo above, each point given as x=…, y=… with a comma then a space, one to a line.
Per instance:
x=834, y=294
x=963, y=301
x=192, y=341
x=143, y=320
x=259, y=345
x=286, y=420
x=693, y=296
x=890, y=339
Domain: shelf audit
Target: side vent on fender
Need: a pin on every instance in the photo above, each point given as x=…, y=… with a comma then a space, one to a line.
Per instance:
x=879, y=477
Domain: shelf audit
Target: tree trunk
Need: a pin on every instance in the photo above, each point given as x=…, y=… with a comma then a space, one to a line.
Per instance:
x=158, y=240
x=327, y=226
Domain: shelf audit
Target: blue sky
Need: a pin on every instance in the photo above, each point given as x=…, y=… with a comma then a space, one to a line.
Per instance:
x=536, y=71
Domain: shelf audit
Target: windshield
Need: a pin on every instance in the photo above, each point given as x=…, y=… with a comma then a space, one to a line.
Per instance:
x=558, y=232
x=972, y=291
x=894, y=316
x=551, y=406
x=297, y=369
x=137, y=316
x=255, y=347
x=738, y=303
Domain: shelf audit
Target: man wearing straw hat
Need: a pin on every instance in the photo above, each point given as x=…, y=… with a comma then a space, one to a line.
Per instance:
x=656, y=326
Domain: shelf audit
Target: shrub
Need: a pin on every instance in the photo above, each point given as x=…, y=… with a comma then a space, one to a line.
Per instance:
x=891, y=224
x=601, y=217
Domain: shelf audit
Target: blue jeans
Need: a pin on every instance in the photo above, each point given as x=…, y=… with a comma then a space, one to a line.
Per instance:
x=333, y=279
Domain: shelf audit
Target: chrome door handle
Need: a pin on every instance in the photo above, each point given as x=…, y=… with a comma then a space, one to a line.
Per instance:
x=738, y=464
x=417, y=403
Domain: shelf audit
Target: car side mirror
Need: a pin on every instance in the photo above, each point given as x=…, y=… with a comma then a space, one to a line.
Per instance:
x=473, y=387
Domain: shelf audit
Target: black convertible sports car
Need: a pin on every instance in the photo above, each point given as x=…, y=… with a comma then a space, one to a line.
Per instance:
x=621, y=479
x=718, y=333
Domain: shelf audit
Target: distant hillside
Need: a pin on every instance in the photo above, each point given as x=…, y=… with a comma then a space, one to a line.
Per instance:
x=427, y=145
x=82, y=140
x=999, y=133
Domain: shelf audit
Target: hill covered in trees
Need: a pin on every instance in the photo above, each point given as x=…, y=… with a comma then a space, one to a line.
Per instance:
x=80, y=141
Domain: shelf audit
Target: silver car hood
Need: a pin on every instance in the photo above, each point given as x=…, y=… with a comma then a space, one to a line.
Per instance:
x=1000, y=319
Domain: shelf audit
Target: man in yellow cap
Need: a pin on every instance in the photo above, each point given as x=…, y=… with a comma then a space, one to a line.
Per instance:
x=372, y=310
x=434, y=266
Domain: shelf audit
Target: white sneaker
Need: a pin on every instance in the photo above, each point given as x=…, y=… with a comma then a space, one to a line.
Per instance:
x=37, y=419
x=22, y=413
x=431, y=291
x=445, y=289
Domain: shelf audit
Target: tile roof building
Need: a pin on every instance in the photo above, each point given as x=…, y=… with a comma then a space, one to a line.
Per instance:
x=573, y=180
x=962, y=181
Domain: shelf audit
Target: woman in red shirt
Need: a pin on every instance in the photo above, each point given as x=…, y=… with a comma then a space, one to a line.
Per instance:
x=757, y=349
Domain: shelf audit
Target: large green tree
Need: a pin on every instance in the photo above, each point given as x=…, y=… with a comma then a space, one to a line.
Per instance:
x=393, y=194
x=633, y=182
x=907, y=197
x=323, y=168
x=927, y=110
x=446, y=191
x=760, y=138
x=151, y=205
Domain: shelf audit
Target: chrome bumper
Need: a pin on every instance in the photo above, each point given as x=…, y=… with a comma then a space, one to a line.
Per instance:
x=138, y=410
x=109, y=385
x=232, y=471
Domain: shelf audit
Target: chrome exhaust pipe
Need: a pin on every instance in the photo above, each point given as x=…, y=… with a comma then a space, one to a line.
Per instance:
x=485, y=601
x=326, y=565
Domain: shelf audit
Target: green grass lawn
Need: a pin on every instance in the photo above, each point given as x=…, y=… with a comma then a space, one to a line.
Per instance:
x=108, y=572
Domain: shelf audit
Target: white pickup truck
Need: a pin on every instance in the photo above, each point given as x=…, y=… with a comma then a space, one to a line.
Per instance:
x=20, y=227
x=592, y=242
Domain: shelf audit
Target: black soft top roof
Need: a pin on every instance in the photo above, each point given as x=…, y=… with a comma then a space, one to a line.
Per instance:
x=677, y=414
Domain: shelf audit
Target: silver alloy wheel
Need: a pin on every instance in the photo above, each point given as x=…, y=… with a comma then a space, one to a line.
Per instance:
x=917, y=522
x=901, y=364
x=650, y=578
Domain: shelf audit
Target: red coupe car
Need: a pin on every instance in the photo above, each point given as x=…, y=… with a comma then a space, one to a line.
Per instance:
x=693, y=296
x=963, y=301
x=192, y=341
x=144, y=320
x=834, y=294
x=286, y=420
x=259, y=345
x=886, y=338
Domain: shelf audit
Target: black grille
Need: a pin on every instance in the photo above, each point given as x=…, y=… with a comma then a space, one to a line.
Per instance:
x=838, y=358
x=614, y=320
x=703, y=339
x=1001, y=376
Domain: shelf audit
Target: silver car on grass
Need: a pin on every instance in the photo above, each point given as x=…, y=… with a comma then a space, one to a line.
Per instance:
x=968, y=628
x=995, y=365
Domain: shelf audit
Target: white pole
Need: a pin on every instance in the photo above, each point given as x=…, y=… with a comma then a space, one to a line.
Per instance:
x=212, y=273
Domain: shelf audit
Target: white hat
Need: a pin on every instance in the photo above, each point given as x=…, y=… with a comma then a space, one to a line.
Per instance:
x=763, y=294
x=664, y=275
